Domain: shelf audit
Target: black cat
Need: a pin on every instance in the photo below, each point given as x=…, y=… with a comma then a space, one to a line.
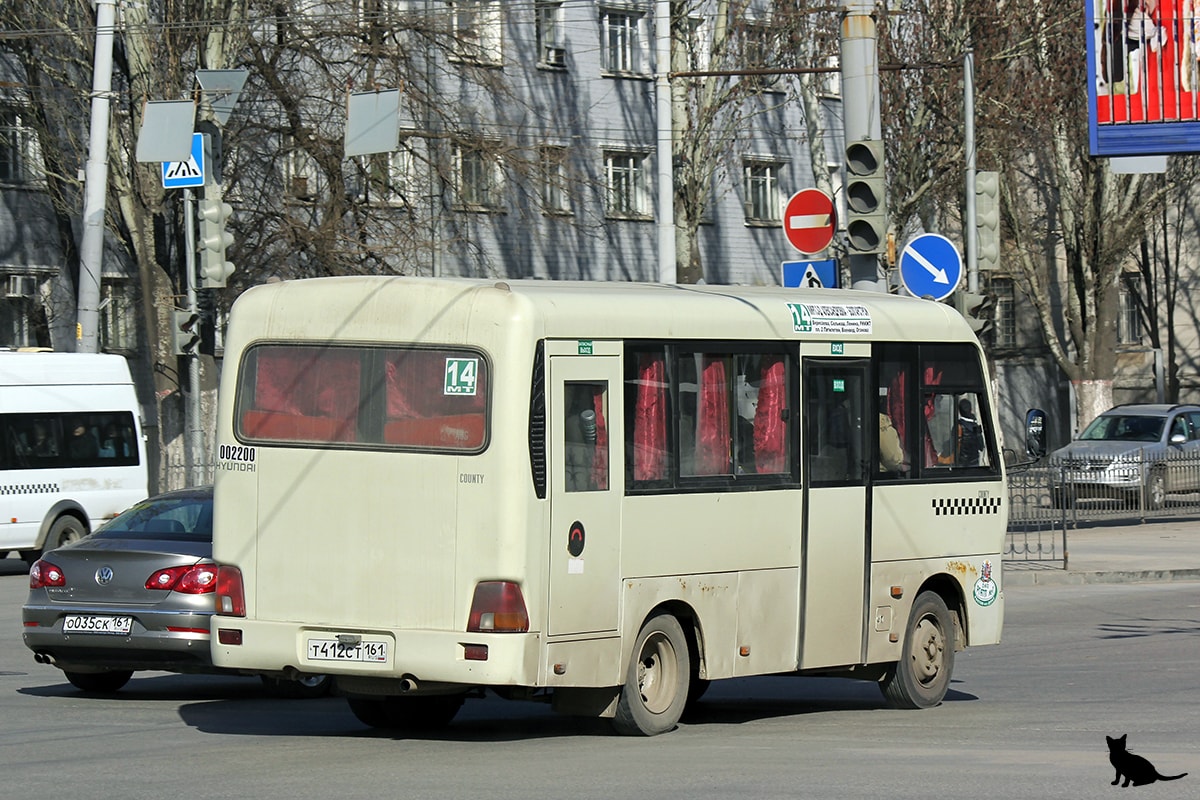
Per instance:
x=1136, y=769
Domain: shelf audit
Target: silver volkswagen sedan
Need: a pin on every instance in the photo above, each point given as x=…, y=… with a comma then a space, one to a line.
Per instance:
x=135, y=595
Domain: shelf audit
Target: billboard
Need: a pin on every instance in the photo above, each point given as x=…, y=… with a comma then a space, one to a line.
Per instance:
x=1143, y=76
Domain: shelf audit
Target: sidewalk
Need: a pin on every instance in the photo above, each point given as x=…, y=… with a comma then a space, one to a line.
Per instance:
x=1131, y=553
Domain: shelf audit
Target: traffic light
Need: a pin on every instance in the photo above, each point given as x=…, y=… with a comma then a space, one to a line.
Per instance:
x=987, y=220
x=185, y=332
x=866, y=220
x=214, y=211
x=978, y=310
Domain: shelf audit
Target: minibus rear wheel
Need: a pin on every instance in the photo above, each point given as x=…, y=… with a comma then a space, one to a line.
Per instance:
x=656, y=685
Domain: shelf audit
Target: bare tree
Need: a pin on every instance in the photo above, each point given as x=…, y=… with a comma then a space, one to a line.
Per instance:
x=1069, y=223
x=740, y=47
x=1158, y=286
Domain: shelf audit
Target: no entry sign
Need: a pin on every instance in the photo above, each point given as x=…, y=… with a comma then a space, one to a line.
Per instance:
x=808, y=220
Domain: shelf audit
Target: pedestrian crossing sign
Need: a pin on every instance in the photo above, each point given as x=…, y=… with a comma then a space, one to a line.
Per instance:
x=185, y=174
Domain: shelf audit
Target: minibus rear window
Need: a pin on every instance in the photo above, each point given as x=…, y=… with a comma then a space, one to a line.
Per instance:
x=371, y=397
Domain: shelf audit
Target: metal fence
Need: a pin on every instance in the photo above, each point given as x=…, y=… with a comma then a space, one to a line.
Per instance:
x=1050, y=497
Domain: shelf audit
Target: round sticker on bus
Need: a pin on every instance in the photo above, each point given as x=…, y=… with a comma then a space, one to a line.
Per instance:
x=575, y=539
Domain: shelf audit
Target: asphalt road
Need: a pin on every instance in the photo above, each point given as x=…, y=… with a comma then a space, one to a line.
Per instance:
x=1025, y=719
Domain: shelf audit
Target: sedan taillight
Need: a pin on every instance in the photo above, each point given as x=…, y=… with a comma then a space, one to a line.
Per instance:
x=195, y=579
x=43, y=574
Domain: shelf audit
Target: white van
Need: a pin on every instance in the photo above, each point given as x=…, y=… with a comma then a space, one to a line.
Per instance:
x=71, y=447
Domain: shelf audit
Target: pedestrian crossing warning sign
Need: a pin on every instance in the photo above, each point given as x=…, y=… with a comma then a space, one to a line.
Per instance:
x=184, y=174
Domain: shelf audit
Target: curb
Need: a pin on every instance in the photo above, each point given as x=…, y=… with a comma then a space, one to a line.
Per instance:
x=1061, y=577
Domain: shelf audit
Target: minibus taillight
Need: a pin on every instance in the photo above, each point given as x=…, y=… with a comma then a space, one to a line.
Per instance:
x=231, y=596
x=498, y=607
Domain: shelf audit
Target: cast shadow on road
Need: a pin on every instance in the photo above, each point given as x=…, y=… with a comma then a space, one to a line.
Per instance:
x=1147, y=627
x=156, y=687
x=491, y=719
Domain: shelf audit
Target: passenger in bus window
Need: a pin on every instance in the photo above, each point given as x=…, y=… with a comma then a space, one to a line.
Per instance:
x=891, y=454
x=966, y=442
x=82, y=444
x=113, y=445
x=968, y=436
x=43, y=444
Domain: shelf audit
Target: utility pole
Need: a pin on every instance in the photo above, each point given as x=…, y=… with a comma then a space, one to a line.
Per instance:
x=91, y=248
x=667, y=270
x=969, y=145
x=195, y=432
x=860, y=109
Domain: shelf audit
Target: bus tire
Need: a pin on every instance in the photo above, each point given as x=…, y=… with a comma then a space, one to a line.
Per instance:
x=921, y=678
x=656, y=684
x=66, y=529
x=420, y=713
x=99, y=682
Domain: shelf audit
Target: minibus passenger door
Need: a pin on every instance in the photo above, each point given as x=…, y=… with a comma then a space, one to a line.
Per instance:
x=835, y=547
x=586, y=483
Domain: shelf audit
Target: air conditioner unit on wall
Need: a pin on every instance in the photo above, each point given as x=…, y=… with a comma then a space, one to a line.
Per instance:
x=20, y=286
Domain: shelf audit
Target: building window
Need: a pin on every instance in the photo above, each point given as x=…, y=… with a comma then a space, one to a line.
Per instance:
x=301, y=177
x=1004, y=332
x=556, y=197
x=552, y=49
x=1129, y=325
x=763, y=204
x=622, y=42
x=625, y=178
x=378, y=13
x=118, y=329
x=388, y=177
x=22, y=316
x=758, y=52
x=20, y=156
x=478, y=179
x=477, y=27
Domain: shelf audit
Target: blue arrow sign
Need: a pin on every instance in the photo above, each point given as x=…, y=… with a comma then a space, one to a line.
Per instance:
x=930, y=266
x=185, y=174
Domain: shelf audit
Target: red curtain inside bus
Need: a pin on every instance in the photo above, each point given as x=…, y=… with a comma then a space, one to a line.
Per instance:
x=422, y=411
x=650, y=419
x=712, y=419
x=770, y=430
x=304, y=393
x=600, y=459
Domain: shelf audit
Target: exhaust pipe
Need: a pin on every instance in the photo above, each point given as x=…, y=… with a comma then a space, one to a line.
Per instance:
x=408, y=684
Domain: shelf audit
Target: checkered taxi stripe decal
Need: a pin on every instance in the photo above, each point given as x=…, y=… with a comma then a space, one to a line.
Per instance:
x=28, y=488
x=963, y=506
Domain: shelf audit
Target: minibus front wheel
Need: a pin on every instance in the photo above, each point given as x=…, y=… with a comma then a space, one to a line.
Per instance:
x=921, y=677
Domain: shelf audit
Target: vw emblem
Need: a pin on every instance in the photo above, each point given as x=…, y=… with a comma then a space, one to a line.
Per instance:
x=104, y=575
